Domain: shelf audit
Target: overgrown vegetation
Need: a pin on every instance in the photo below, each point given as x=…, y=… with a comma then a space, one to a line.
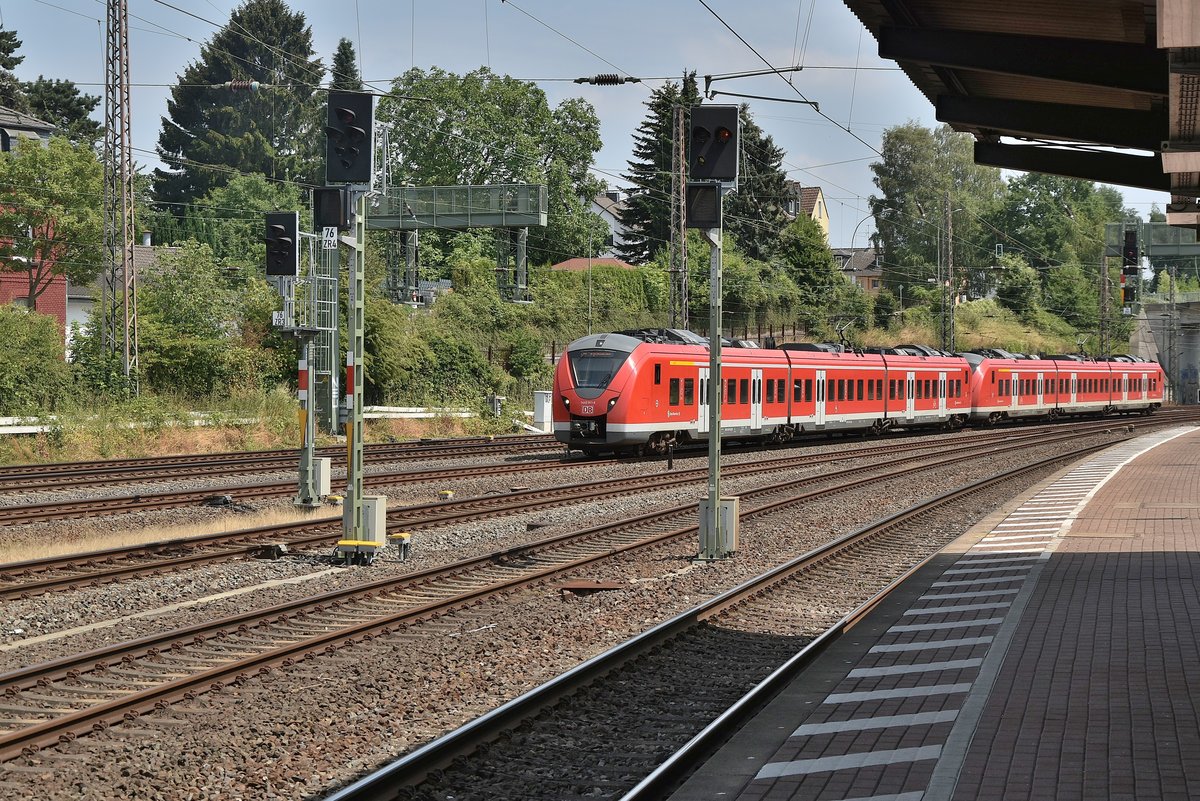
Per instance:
x=204, y=308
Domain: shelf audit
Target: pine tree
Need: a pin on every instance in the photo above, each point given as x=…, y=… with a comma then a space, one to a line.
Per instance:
x=212, y=132
x=61, y=104
x=12, y=93
x=754, y=214
x=646, y=215
x=345, y=74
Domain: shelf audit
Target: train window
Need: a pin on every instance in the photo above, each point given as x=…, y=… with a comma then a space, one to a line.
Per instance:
x=595, y=367
x=689, y=391
x=860, y=395
x=919, y=396
x=841, y=389
x=871, y=390
x=658, y=374
x=745, y=391
x=829, y=389
x=797, y=390
x=731, y=391
x=674, y=392
x=808, y=387
x=781, y=391
x=770, y=390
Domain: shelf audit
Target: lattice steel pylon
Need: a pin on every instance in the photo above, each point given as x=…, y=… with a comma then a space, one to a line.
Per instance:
x=120, y=285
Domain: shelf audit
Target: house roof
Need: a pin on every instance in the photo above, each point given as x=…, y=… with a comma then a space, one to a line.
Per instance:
x=18, y=121
x=808, y=198
x=858, y=260
x=608, y=204
x=582, y=263
x=144, y=259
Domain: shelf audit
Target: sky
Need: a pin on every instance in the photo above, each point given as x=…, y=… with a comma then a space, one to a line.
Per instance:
x=552, y=42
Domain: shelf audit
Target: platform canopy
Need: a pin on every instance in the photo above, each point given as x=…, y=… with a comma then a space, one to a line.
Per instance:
x=412, y=208
x=1056, y=86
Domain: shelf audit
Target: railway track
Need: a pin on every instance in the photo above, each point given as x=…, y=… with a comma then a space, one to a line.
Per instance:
x=59, y=700
x=643, y=708
x=71, y=572
x=66, y=475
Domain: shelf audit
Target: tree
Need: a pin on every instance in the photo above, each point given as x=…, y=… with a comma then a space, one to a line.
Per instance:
x=481, y=128
x=191, y=319
x=344, y=73
x=33, y=374
x=920, y=169
x=230, y=218
x=754, y=214
x=61, y=104
x=12, y=93
x=50, y=218
x=803, y=255
x=210, y=129
x=1019, y=290
x=646, y=215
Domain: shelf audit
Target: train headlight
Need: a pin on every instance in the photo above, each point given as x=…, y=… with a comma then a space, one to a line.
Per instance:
x=566, y=402
x=612, y=402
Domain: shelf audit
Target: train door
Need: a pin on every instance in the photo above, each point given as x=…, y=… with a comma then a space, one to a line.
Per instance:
x=1124, y=386
x=910, y=385
x=702, y=408
x=756, y=399
x=1016, y=390
x=1074, y=388
x=1041, y=388
x=819, y=411
x=941, y=384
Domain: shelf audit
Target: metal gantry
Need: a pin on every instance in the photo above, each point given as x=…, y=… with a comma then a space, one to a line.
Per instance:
x=120, y=285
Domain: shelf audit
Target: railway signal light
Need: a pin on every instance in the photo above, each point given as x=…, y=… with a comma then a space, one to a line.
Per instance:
x=1131, y=262
x=283, y=235
x=348, y=145
x=330, y=208
x=714, y=143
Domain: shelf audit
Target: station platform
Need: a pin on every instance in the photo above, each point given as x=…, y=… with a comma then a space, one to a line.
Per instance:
x=1053, y=652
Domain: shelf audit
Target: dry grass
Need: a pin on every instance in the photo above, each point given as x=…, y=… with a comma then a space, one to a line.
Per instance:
x=88, y=536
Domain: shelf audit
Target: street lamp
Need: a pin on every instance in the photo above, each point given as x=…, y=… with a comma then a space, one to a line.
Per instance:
x=856, y=227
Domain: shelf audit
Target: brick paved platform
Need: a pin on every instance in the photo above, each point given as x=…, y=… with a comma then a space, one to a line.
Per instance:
x=1052, y=653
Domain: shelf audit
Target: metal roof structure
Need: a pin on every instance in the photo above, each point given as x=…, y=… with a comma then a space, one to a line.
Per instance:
x=1069, y=87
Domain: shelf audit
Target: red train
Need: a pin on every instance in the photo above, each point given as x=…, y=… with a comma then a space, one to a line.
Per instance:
x=646, y=390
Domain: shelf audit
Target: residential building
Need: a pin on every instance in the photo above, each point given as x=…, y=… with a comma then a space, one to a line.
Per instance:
x=809, y=201
x=581, y=263
x=860, y=266
x=608, y=205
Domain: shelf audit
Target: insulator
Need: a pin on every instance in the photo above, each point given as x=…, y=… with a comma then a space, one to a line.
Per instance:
x=240, y=86
x=608, y=79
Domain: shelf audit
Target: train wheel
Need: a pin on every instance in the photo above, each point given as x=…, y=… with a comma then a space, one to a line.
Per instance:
x=658, y=444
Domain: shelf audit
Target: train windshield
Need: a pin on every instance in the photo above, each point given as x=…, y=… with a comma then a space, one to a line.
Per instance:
x=595, y=367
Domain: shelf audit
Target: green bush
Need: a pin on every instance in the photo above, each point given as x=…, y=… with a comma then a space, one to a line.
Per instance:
x=33, y=373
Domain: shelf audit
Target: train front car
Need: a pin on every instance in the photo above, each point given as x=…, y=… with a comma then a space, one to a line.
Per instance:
x=588, y=384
